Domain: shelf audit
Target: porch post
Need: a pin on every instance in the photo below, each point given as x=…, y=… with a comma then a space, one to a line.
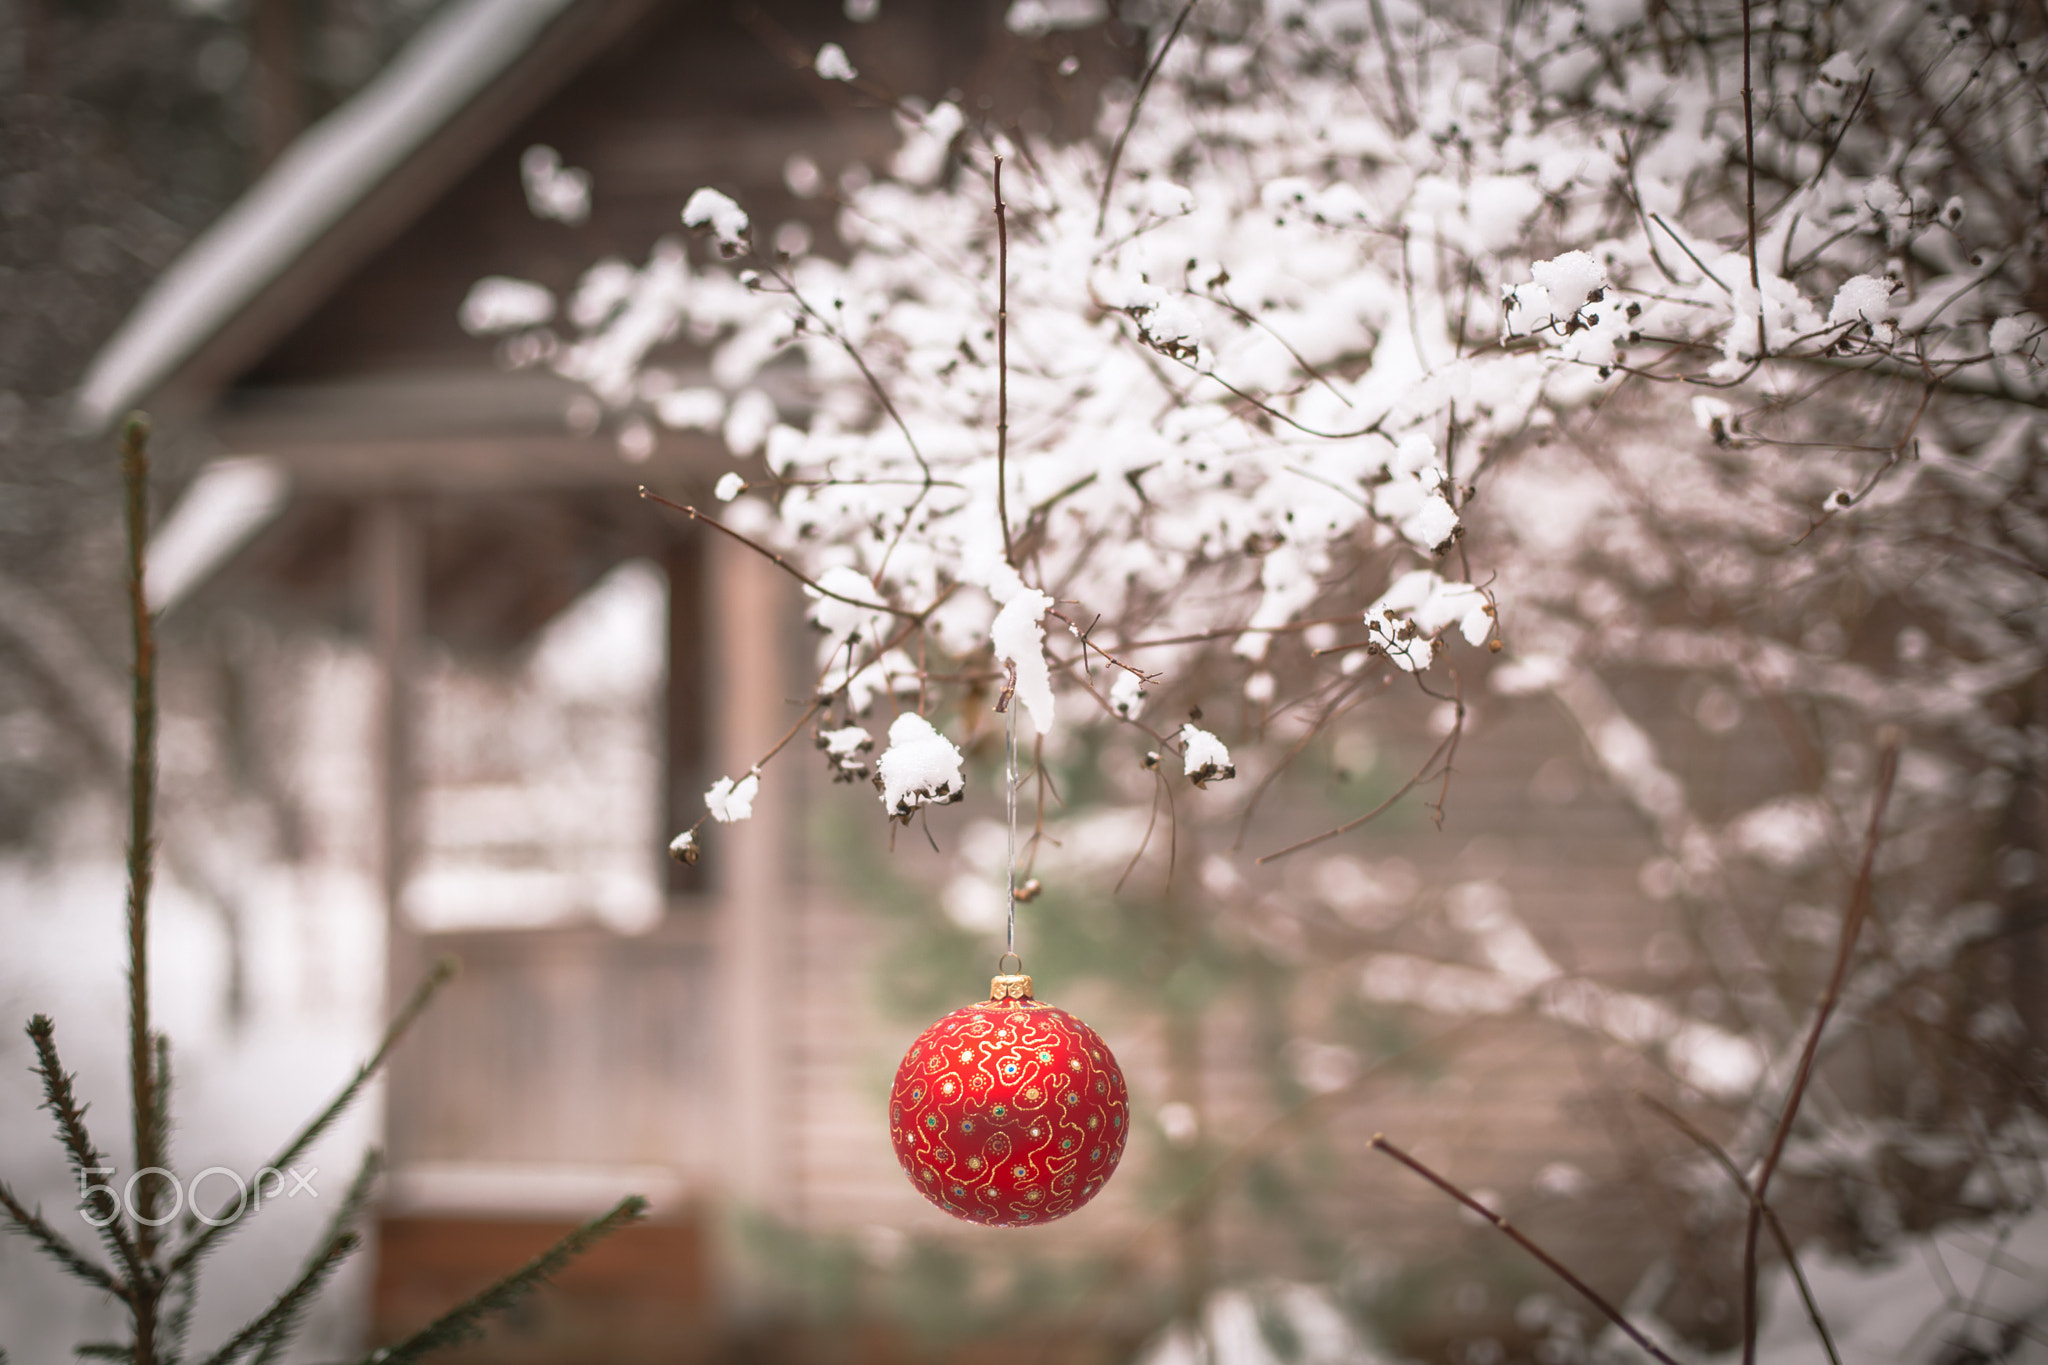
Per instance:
x=747, y=862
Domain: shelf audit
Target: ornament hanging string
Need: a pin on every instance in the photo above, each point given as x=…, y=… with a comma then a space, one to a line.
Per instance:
x=1007, y=704
x=945, y=1124
x=1010, y=826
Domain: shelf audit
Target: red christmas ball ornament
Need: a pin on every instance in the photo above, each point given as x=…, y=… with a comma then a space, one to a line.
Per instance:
x=1009, y=1112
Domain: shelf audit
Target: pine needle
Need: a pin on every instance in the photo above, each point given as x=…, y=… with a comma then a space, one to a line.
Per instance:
x=30, y=1224
x=465, y=1322
x=342, y=1223
x=289, y=1304
x=443, y=972
x=86, y=1162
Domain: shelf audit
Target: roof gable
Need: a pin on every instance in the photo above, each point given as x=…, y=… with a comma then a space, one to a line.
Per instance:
x=343, y=189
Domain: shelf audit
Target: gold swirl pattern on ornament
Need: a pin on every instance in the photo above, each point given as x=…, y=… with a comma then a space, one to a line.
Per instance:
x=1010, y=1113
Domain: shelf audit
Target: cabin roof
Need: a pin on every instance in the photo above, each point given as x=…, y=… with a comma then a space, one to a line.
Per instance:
x=471, y=71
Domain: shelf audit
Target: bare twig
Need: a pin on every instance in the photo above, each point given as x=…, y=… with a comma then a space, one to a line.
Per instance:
x=779, y=561
x=1372, y=428
x=1009, y=686
x=1338, y=705
x=819, y=698
x=1749, y=172
x=874, y=383
x=1232, y=632
x=1421, y=775
x=1778, y=1235
x=1160, y=787
x=1212, y=1183
x=1116, y=152
x=1251, y=319
x=1692, y=255
x=1405, y=117
x=1522, y=1240
x=1087, y=644
x=1852, y=925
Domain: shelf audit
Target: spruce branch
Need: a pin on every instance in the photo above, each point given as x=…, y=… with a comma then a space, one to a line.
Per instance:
x=286, y=1309
x=158, y=1104
x=142, y=1071
x=181, y=1290
x=160, y=1090
x=442, y=973
x=29, y=1223
x=86, y=1162
x=341, y=1224
x=464, y=1322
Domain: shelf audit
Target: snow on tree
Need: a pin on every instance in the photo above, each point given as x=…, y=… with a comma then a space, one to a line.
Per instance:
x=1377, y=340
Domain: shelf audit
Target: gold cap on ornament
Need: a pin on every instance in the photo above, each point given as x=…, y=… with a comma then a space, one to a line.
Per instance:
x=1007, y=987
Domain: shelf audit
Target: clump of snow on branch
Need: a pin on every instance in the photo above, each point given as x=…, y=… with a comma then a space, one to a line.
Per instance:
x=1042, y=16
x=836, y=608
x=553, y=190
x=691, y=409
x=728, y=222
x=927, y=143
x=2009, y=334
x=921, y=767
x=729, y=800
x=831, y=63
x=1407, y=621
x=1019, y=636
x=1127, y=695
x=497, y=304
x=847, y=748
x=1862, y=298
x=1204, y=759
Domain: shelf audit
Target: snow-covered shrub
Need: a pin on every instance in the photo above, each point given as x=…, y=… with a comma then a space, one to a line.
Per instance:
x=1382, y=340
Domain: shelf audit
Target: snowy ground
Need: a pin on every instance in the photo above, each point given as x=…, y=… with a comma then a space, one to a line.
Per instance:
x=315, y=952
x=1974, y=1292
x=1970, y=1295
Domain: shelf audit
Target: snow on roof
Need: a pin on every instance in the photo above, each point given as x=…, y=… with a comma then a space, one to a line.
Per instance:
x=458, y=53
x=229, y=502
